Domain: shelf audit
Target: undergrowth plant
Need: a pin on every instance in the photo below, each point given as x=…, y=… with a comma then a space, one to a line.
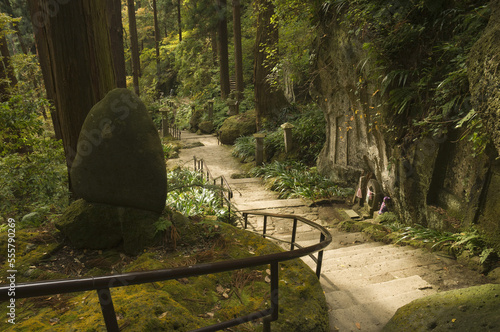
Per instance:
x=468, y=241
x=294, y=179
x=309, y=134
x=416, y=56
x=33, y=165
x=191, y=195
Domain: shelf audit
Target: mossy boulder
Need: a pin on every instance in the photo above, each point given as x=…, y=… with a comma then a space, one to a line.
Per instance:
x=236, y=126
x=206, y=127
x=120, y=158
x=470, y=309
x=101, y=226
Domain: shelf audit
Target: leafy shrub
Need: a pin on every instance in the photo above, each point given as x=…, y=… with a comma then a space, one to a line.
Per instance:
x=33, y=167
x=191, y=195
x=34, y=180
x=295, y=179
x=244, y=148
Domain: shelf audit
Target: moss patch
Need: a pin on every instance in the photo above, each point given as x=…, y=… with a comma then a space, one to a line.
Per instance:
x=183, y=304
x=470, y=309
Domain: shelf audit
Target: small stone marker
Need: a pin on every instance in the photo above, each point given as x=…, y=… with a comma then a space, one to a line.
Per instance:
x=287, y=131
x=210, y=110
x=259, y=148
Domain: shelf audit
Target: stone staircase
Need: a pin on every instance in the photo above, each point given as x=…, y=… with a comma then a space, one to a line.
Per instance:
x=364, y=282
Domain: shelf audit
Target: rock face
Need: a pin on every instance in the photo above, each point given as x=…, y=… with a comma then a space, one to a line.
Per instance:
x=238, y=125
x=435, y=181
x=471, y=309
x=120, y=158
x=483, y=74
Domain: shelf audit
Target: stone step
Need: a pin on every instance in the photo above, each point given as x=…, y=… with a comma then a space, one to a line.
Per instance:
x=385, y=291
x=269, y=204
x=370, y=316
x=368, y=258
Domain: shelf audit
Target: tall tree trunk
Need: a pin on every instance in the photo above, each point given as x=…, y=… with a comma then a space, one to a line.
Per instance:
x=43, y=53
x=223, y=48
x=267, y=98
x=157, y=43
x=238, y=53
x=75, y=56
x=7, y=76
x=179, y=19
x=114, y=16
x=134, y=45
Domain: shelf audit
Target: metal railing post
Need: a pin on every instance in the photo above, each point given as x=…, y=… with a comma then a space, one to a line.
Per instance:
x=245, y=217
x=320, y=258
x=108, y=310
x=274, y=297
x=264, y=227
x=294, y=233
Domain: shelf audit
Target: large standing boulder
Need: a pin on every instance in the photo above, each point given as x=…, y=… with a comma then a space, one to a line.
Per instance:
x=120, y=159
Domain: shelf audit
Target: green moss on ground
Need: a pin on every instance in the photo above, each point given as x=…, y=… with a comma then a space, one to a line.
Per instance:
x=183, y=304
x=470, y=309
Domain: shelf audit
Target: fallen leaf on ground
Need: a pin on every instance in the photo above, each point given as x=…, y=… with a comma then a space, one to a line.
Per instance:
x=358, y=325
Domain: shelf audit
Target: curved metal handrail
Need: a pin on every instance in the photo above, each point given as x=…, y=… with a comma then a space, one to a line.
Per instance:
x=104, y=283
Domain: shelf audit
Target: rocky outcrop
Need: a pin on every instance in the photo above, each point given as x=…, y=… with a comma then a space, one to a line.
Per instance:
x=483, y=65
x=434, y=180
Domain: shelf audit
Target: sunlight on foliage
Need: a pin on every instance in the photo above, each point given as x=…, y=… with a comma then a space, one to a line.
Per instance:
x=191, y=195
x=294, y=179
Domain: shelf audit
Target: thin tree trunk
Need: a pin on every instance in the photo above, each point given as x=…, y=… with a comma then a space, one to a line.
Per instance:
x=267, y=98
x=114, y=16
x=238, y=53
x=10, y=12
x=157, y=38
x=75, y=56
x=7, y=76
x=223, y=48
x=213, y=40
x=134, y=46
x=179, y=19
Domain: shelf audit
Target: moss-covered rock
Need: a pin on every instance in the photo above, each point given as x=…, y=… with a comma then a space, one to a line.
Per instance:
x=470, y=309
x=120, y=158
x=101, y=226
x=206, y=127
x=236, y=126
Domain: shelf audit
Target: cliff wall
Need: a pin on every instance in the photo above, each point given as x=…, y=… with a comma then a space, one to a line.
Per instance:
x=435, y=179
